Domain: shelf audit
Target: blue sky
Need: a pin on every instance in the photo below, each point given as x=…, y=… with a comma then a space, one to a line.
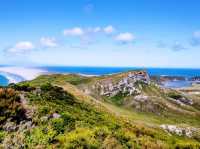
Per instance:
x=150, y=33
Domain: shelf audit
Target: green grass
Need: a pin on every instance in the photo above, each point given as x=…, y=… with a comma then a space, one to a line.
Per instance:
x=157, y=95
x=59, y=79
x=82, y=125
x=89, y=123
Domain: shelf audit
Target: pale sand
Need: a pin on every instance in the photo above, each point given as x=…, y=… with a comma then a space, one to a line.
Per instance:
x=25, y=73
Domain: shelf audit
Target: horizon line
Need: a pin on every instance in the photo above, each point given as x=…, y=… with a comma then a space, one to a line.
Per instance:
x=92, y=66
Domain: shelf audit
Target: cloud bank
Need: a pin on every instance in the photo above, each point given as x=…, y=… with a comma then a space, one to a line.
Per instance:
x=125, y=37
x=49, y=42
x=21, y=47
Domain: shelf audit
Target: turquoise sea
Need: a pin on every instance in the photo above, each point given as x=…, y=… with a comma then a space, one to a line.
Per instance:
x=187, y=73
x=3, y=81
x=184, y=72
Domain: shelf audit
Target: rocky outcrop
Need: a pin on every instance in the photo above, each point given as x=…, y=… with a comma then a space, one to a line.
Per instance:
x=141, y=98
x=182, y=101
x=179, y=98
x=180, y=131
x=125, y=84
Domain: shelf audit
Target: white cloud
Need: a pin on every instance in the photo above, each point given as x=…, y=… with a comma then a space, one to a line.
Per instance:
x=48, y=42
x=109, y=29
x=125, y=37
x=76, y=31
x=21, y=47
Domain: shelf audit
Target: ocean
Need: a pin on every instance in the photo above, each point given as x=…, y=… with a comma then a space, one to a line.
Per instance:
x=110, y=70
x=3, y=81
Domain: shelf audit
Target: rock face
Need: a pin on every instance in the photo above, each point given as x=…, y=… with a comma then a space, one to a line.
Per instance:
x=182, y=101
x=180, y=131
x=180, y=98
x=125, y=84
x=141, y=98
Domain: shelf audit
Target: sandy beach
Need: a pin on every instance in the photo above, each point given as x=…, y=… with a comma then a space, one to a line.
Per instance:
x=24, y=73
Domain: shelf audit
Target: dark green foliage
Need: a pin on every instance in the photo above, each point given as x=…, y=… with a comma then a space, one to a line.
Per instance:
x=46, y=87
x=44, y=110
x=65, y=123
x=81, y=125
x=187, y=146
x=2, y=135
x=21, y=87
x=10, y=106
x=119, y=98
x=58, y=125
x=49, y=92
x=78, y=80
x=174, y=95
x=68, y=120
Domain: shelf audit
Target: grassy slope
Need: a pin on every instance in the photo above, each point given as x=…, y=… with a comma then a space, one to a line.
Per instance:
x=93, y=114
x=157, y=95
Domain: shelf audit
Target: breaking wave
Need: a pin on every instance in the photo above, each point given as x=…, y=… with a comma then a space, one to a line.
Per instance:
x=18, y=74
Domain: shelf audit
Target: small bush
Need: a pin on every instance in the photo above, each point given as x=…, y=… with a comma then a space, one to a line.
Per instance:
x=2, y=135
x=40, y=137
x=111, y=143
x=49, y=92
x=21, y=87
x=79, y=138
x=187, y=145
x=69, y=120
x=119, y=98
x=10, y=106
x=58, y=125
x=174, y=95
x=46, y=87
x=101, y=132
x=44, y=110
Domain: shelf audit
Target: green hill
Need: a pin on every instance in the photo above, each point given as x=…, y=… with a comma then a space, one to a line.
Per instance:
x=122, y=110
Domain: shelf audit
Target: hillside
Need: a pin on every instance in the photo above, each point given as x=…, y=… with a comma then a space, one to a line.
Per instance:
x=123, y=110
x=134, y=91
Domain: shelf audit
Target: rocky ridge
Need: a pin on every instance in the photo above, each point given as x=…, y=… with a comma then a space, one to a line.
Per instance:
x=125, y=84
x=190, y=132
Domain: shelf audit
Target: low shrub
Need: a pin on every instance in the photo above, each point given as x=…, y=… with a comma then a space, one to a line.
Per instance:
x=58, y=125
x=21, y=87
x=40, y=136
x=68, y=120
x=10, y=106
x=174, y=95
x=50, y=92
x=2, y=136
x=79, y=138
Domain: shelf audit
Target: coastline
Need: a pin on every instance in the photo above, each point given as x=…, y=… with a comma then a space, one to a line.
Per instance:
x=18, y=74
x=166, y=77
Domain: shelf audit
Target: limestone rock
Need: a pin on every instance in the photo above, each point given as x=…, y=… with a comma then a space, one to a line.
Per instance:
x=126, y=84
x=10, y=126
x=55, y=115
x=181, y=131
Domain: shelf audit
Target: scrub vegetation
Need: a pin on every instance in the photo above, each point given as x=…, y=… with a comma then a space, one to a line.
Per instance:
x=53, y=111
